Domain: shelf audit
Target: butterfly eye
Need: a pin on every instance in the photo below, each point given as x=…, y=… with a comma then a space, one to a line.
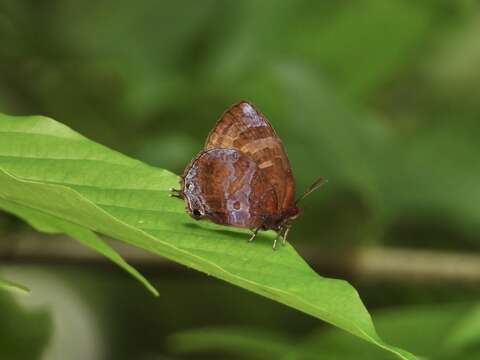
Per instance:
x=197, y=213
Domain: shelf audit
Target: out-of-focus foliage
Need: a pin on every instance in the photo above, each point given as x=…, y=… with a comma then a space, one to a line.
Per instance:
x=11, y=286
x=380, y=97
x=444, y=332
x=23, y=333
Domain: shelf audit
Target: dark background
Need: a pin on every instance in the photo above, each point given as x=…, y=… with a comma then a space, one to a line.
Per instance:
x=381, y=98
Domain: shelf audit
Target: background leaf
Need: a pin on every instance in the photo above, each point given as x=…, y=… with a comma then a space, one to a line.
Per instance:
x=51, y=224
x=11, y=286
x=247, y=343
x=434, y=331
x=24, y=333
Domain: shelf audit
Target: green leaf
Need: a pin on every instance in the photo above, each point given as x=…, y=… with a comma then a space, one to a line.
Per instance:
x=25, y=332
x=466, y=332
x=11, y=286
x=447, y=332
x=252, y=343
x=355, y=30
x=47, y=167
x=51, y=224
x=428, y=329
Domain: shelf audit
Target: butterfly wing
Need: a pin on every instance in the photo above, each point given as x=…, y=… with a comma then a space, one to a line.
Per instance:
x=244, y=128
x=226, y=187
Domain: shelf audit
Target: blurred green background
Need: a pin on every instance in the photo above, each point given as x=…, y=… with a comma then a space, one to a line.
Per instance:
x=380, y=97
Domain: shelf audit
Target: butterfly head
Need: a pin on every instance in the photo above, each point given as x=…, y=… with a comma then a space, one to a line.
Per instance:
x=195, y=205
x=279, y=222
x=290, y=215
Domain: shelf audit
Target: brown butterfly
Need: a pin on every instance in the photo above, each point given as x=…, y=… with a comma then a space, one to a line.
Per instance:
x=243, y=176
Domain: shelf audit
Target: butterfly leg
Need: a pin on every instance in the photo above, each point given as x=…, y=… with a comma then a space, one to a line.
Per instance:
x=175, y=193
x=285, y=234
x=274, y=246
x=254, y=235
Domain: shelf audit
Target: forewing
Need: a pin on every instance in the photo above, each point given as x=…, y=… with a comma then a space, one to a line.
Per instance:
x=244, y=128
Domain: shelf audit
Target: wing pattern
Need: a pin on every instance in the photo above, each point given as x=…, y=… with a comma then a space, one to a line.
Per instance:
x=244, y=128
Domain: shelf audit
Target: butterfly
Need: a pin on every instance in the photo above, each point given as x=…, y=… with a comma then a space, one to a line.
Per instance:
x=243, y=177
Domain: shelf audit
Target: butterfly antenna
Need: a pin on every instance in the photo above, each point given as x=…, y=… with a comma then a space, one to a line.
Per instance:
x=316, y=184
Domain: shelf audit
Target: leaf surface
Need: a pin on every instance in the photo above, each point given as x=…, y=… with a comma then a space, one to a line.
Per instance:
x=46, y=168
